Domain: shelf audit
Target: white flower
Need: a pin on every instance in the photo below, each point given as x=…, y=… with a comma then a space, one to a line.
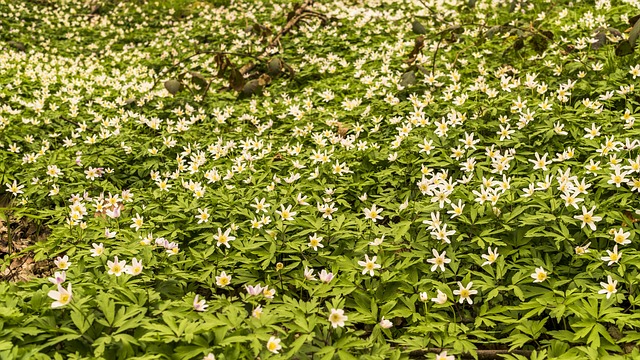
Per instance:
x=621, y=237
x=441, y=233
x=224, y=238
x=385, y=324
x=465, y=292
x=109, y=234
x=613, y=257
x=286, y=214
x=456, y=209
x=257, y=312
x=540, y=163
x=424, y=296
x=441, y=298
x=116, y=267
x=223, y=279
x=203, y=215
x=260, y=205
x=609, y=287
x=14, y=188
x=98, y=249
x=315, y=242
x=209, y=356
x=539, y=275
x=377, y=241
x=587, y=218
x=268, y=293
x=62, y=297
x=369, y=265
x=580, y=250
x=62, y=262
x=138, y=221
x=273, y=345
x=373, y=213
x=490, y=257
x=337, y=318
x=308, y=274
x=443, y=356
x=135, y=268
x=301, y=200
x=439, y=261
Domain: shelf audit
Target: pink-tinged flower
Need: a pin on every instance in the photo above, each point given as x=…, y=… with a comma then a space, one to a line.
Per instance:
x=199, y=305
x=58, y=278
x=325, y=276
x=109, y=234
x=114, y=212
x=254, y=290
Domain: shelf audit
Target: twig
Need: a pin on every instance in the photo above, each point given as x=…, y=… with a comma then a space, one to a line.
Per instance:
x=287, y=27
x=70, y=121
x=482, y=354
x=198, y=54
x=433, y=12
x=435, y=54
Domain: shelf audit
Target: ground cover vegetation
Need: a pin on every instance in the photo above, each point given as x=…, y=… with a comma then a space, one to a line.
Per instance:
x=320, y=180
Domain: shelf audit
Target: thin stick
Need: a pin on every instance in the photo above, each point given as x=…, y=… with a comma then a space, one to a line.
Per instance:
x=482, y=354
x=298, y=14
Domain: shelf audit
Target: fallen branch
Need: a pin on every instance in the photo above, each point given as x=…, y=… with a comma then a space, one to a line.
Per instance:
x=297, y=15
x=482, y=354
x=209, y=52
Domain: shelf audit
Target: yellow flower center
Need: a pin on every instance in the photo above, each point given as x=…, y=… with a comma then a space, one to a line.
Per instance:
x=541, y=276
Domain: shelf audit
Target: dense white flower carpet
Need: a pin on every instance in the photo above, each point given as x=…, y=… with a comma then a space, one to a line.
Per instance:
x=322, y=180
